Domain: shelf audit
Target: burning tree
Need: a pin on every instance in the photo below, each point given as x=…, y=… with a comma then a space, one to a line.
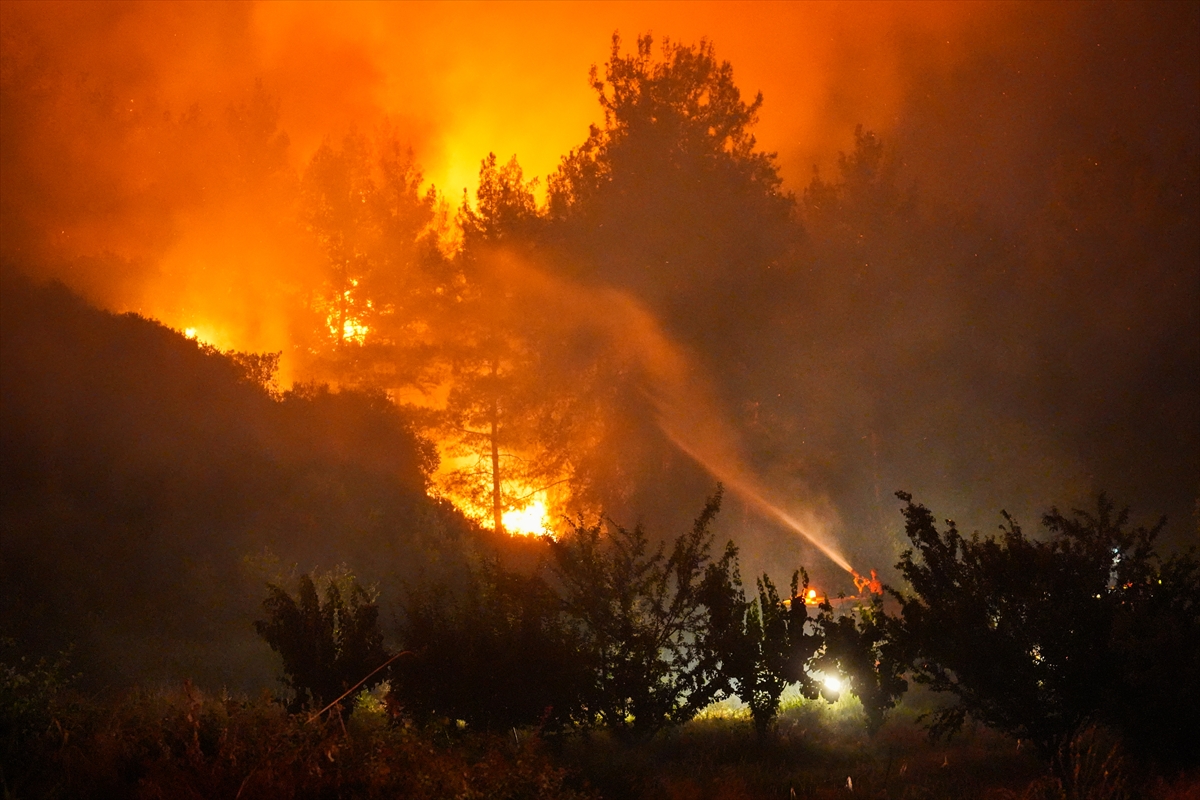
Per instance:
x=511, y=418
x=362, y=205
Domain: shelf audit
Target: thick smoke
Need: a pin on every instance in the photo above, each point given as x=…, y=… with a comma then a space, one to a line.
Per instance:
x=118, y=137
x=687, y=408
x=1024, y=333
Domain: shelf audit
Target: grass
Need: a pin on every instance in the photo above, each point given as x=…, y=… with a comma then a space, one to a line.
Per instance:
x=817, y=750
x=187, y=744
x=183, y=743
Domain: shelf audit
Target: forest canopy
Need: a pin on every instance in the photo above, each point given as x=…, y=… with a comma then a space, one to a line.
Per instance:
x=660, y=310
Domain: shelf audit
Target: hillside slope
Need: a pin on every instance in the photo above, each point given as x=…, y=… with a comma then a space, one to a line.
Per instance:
x=150, y=485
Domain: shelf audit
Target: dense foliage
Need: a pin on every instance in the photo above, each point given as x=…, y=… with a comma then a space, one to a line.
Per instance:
x=143, y=475
x=495, y=654
x=762, y=645
x=614, y=632
x=327, y=645
x=641, y=622
x=1038, y=638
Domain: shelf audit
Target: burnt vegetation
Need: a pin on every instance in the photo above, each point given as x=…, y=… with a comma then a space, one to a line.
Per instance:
x=151, y=485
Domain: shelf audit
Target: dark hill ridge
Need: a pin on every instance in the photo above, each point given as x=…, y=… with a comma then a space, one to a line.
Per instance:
x=141, y=474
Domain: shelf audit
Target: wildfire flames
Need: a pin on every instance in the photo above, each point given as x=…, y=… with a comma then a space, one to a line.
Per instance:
x=526, y=511
x=871, y=584
x=532, y=519
x=864, y=586
x=529, y=519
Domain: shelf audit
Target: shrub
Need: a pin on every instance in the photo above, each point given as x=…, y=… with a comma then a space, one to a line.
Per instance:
x=640, y=619
x=498, y=655
x=327, y=646
x=1040, y=638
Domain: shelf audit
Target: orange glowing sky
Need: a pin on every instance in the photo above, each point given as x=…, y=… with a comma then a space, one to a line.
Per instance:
x=456, y=80
x=466, y=78
x=121, y=176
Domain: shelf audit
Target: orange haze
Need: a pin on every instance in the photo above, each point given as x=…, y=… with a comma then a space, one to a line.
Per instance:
x=200, y=249
x=685, y=402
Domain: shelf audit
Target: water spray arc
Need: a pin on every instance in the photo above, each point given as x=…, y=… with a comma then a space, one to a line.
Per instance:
x=686, y=407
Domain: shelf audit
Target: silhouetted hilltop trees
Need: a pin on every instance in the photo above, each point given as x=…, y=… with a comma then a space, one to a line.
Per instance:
x=139, y=470
x=877, y=331
x=670, y=198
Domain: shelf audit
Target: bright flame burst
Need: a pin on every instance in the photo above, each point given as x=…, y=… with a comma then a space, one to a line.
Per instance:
x=351, y=327
x=205, y=335
x=352, y=331
x=527, y=509
x=530, y=520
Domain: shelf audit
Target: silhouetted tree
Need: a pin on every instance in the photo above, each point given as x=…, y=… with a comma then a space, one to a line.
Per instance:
x=257, y=368
x=863, y=650
x=762, y=644
x=1038, y=638
x=326, y=646
x=506, y=209
x=641, y=621
x=670, y=198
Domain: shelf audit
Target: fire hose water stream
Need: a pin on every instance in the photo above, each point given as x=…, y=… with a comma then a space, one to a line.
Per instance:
x=686, y=407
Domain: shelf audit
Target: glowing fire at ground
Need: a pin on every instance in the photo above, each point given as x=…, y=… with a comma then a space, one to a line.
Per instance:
x=527, y=509
x=871, y=584
x=865, y=587
x=344, y=320
x=532, y=519
x=206, y=335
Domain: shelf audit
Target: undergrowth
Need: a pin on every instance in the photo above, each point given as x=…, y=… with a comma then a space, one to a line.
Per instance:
x=184, y=743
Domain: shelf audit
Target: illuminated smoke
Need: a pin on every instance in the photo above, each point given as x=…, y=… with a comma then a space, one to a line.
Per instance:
x=687, y=410
x=690, y=416
x=115, y=139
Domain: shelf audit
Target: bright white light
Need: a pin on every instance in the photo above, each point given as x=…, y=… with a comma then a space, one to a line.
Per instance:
x=832, y=682
x=533, y=519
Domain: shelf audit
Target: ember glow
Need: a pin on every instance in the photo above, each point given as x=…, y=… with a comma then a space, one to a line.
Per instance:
x=904, y=326
x=530, y=520
x=527, y=510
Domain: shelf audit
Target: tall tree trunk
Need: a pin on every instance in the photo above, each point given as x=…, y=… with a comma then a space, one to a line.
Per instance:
x=341, y=305
x=497, y=508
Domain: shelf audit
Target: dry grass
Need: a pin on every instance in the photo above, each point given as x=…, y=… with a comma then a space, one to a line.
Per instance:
x=187, y=744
